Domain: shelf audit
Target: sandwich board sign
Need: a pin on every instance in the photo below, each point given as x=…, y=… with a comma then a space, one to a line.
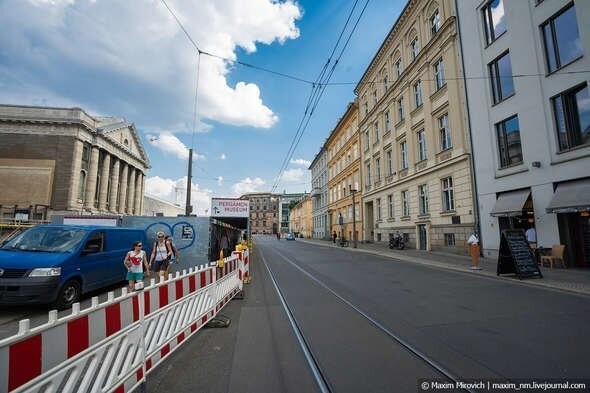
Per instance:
x=230, y=207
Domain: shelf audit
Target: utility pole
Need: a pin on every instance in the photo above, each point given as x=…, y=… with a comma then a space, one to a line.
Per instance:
x=189, y=180
x=353, y=191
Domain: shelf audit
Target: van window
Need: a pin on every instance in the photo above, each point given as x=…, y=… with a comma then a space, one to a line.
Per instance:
x=47, y=239
x=97, y=239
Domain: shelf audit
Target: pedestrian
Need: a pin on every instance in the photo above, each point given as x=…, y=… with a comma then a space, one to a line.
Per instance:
x=334, y=236
x=175, y=257
x=135, y=260
x=278, y=236
x=473, y=242
x=531, y=237
x=160, y=257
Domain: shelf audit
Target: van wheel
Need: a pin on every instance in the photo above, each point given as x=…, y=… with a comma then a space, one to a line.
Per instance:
x=68, y=294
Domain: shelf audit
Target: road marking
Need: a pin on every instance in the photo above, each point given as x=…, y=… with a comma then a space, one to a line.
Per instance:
x=319, y=376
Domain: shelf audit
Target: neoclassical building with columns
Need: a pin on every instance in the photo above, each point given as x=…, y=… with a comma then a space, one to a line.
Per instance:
x=63, y=160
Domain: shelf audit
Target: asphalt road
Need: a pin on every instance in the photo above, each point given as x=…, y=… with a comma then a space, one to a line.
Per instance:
x=469, y=326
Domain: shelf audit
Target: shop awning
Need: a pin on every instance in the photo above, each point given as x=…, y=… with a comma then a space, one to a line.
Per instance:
x=510, y=203
x=571, y=197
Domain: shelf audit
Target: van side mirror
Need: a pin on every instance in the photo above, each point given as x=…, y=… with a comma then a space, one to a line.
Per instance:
x=91, y=249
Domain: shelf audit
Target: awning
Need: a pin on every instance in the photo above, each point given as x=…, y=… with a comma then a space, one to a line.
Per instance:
x=510, y=203
x=571, y=197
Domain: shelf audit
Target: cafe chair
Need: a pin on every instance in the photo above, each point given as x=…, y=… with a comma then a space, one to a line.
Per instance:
x=557, y=252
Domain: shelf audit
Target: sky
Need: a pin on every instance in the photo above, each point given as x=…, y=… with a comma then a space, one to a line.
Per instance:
x=131, y=59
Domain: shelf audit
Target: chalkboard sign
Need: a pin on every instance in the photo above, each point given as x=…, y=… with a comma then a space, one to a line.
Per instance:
x=516, y=256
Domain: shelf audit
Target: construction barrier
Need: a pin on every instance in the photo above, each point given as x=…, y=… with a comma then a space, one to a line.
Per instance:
x=112, y=346
x=244, y=257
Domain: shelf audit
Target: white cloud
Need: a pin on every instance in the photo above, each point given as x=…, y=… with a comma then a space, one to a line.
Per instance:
x=223, y=156
x=247, y=185
x=175, y=191
x=144, y=70
x=219, y=180
x=169, y=143
x=301, y=161
x=294, y=175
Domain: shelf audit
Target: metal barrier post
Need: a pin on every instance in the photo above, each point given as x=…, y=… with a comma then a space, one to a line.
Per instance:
x=141, y=303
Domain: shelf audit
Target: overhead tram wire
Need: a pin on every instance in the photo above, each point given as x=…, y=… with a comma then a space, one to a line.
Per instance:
x=312, y=98
x=313, y=94
x=322, y=87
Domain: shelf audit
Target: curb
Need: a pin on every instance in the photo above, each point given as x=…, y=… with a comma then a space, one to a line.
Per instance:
x=482, y=273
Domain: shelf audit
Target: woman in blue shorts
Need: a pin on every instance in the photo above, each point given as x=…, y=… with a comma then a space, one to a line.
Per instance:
x=135, y=260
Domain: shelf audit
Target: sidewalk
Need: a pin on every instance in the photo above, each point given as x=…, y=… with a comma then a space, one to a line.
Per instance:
x=570, y=280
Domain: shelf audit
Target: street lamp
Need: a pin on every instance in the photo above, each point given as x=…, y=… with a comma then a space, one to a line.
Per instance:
x=353, y=191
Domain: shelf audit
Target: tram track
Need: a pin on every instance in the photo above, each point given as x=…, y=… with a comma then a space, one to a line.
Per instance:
x=320, y=374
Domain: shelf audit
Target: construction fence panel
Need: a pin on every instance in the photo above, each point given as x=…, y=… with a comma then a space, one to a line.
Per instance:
x=112, y=346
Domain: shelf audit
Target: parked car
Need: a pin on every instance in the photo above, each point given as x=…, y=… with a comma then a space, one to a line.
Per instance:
x=56, y=264
x=290, y=236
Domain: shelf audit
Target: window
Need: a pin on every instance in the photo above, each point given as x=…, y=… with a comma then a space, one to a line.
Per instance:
x=423, y=198
x=501, y=77
x=366, y=108
x=368, y=174
x=390, y=205
x=439, y=74
x=447, y=194
x=418, y=94
x=414, y=48
x=449, y=239
x=405, y=206
x=400, y=108
x=387, y=122
x=339, y=193
x=562, y=39
x=399, y=68
x=378, y=202
x=572, y=117
x=435, y=23
x=367, y=140
x=378, y=169
x=404, y=155
x=509, y=146
x=82, y=185
x=493, y=20
x=354, y=151
x=376, y=128
x=375, y=97
x=444, y=132
x=389, y=164
x=421, y=145
x=385, y=85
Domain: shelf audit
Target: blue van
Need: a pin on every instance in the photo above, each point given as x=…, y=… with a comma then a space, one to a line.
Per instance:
x=56, y=264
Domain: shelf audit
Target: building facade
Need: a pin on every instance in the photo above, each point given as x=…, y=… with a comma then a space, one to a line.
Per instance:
x=300, y=218
x=284, y=204
x=154, y=206
x=66, y=161
x=530, y=119
x=264, y=212
x=344, y=177
x=414, y=133
x=319, y=194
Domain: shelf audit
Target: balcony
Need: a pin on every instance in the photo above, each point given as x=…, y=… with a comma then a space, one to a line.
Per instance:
x=316, y=192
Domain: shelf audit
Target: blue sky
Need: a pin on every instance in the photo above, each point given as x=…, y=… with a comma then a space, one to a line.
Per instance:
x=130, y=59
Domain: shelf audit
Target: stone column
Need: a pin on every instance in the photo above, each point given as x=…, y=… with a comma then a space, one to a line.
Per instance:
x=92, y=178
x=123, y=190
x=142, y=193
x=104, y=183
x=138, y=194
x=114, y=186
x=72, y=203
x=131, y=191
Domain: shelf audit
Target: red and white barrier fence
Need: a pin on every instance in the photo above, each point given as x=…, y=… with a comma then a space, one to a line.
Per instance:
x=112, y=346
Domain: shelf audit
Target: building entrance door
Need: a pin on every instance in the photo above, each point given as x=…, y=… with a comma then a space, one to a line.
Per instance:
x=422, y=242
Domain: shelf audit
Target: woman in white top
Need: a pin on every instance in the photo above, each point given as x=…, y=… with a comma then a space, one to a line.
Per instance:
x=135, y=260
x=160, y=258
